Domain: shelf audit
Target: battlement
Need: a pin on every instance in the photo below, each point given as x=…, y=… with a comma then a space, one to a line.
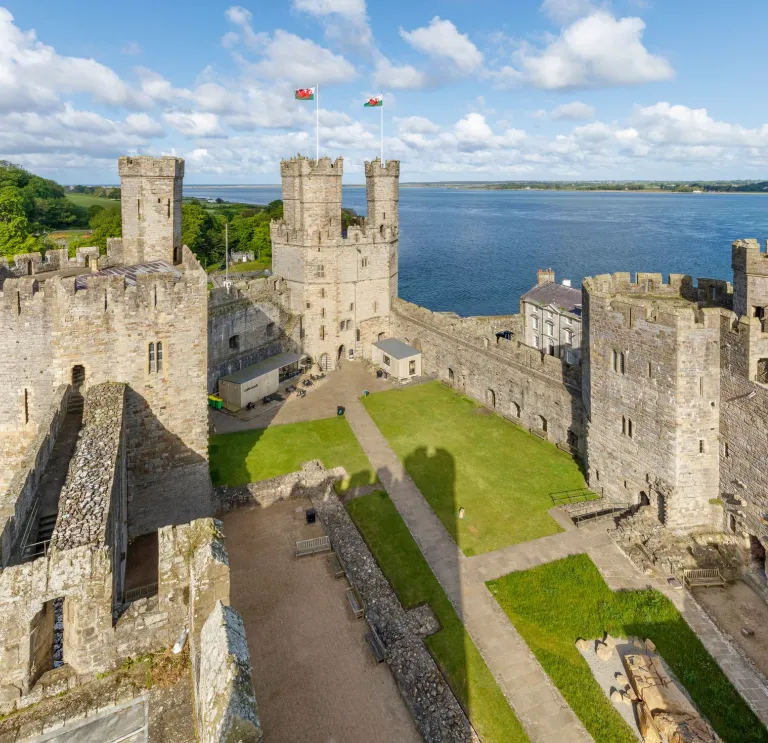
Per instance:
x=331, y=236
x=747, y=256
x=31, y=264
x=390, y=168
x=145, y=166
x=645, y=284
x=302, y=166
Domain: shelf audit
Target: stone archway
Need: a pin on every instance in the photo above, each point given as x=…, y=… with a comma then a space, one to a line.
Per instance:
x=341, y=351
x=490, y=399
x=324, y=362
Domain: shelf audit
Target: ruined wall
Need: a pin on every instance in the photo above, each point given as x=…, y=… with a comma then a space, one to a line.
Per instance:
x=46, y=329
x=247, y=325
x=653, y=395
x=532, y=389
x=338, y=283
x=17, y=501
x=225, y=703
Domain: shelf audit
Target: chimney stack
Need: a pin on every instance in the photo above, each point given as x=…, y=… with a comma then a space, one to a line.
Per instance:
x=545, y=276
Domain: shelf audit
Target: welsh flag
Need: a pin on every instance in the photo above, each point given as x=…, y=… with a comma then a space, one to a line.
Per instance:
x=377, y=100
x=305, y=94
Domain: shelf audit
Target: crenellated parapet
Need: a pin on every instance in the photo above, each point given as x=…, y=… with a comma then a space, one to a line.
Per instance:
x=749, y=256
x=145, y=166
x=304, y=166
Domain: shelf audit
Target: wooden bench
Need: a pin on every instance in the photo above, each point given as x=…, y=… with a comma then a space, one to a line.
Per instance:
x=376, y=644
x=703, y=578
x=336, y=569
x=310, y=546
x=355, y=602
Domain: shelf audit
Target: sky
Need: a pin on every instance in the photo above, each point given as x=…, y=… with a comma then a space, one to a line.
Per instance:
x=473, y=89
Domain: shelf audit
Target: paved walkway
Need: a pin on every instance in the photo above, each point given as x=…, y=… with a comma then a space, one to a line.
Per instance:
x=537, y=702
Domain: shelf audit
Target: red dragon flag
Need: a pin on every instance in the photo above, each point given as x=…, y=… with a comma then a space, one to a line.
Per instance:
x=305, y=94
x=377, y=100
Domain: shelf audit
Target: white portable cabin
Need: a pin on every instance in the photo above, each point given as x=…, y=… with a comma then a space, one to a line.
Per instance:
x=397, y=358
x=258, y=380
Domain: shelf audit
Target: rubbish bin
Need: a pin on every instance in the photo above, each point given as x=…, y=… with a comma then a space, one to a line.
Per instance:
x=340, y=410
x=366, y=393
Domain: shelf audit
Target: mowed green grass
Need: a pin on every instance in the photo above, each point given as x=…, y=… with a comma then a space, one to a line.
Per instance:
x=86, y=200
x=460, y=455
x=250, y=456
x=406, y=569
x=555, y=604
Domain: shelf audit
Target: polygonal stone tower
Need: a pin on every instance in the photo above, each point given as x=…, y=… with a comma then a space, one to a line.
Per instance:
x=151, y=190
x=340, y=282
x=750, y=303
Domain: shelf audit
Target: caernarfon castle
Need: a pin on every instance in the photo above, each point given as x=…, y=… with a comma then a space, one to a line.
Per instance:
x=659, y=387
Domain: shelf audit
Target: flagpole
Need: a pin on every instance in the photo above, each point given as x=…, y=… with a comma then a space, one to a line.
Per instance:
x=381, y=129
x=317, y=121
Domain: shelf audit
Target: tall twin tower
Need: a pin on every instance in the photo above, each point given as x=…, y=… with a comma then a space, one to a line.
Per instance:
x=341, y=283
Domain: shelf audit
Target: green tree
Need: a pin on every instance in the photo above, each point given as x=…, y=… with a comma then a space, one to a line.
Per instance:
x=104, y=223
x=15, y=236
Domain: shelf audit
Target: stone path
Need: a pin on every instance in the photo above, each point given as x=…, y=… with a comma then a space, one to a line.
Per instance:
x=540, y=707
x=537, y=702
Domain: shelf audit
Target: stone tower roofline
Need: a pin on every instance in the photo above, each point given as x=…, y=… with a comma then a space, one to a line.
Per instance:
x=390, y=168
x=152, y=167
x=300, y=165
x=356, y=235
x=749, y=257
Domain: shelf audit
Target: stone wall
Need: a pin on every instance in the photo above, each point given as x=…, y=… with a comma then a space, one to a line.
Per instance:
x=17, y=502
x=653, y=394
x=246, y=325
x=532, y=389
x=225, y=702
x=46, y=329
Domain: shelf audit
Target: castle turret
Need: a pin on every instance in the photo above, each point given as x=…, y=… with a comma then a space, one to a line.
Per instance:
x=151, y=208
x=312, y=196
x=750, y=278
x=382, y=183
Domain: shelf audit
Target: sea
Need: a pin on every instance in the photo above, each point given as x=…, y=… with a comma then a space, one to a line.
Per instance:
x=475, y=252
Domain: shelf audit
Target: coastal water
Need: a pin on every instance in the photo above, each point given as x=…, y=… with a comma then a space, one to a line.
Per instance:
x=475, y=252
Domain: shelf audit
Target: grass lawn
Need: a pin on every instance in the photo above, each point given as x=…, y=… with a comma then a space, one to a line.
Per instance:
x=86, y=200
x=250, y=266
x=460, y=455
x=406, y=569
x=250, y=456
x=68, y=234
x=555, y=604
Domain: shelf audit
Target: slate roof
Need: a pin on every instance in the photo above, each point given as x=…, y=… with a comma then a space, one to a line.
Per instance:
x=129, y=272
x=567, y=298
x=397, y=349
x=262, y=367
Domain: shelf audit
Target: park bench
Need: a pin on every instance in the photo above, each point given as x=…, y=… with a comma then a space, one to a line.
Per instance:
x=355, y=602
x=310, y=546
x=376, y=644
x=703, y=578
x=336, y=569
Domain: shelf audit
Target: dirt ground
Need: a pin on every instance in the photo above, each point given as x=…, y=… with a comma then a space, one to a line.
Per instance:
x=314, y=676
x=735, y=607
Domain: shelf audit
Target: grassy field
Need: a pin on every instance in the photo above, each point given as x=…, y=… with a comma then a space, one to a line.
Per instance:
x=554, y=605
x=250, y=456
x=86, y=200
x=460, y=455
x=68, y=234
x=408, y=572
x=251, y=266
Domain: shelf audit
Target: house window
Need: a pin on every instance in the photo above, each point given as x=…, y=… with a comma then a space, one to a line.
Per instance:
x=550, y=329
x=535, y=322
x=319, y=271
x=270, y=329
x=151, y=358
x=234, y=343
x=412, y=367
x=386, y=360
x=570, y=357
x=569, y=337
x=536, y=341
x=364, y=262
x=159, y=357
x=551, y=347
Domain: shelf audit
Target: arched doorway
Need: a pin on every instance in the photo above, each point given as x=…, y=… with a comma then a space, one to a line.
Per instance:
x=450, y=375
x=542, y=421
x=514, y=408
x=644, y=499
x=78, y=376
x=324, y=363
x=341, y=353
x=490, y=398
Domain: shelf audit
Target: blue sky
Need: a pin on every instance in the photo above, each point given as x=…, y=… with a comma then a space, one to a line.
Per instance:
x=474, y=90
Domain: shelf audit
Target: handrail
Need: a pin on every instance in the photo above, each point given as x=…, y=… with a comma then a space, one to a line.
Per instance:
x=141, y=592
x=573, y=496
x=31, y=553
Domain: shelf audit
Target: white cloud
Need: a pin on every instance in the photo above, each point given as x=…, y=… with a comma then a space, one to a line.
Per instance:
x=565, y=11
x=33, y=75
x=131, y=48
x=354, y=9
x=416, y=125
x=405, y=77
x=241, y=17
x=596, y=51
x=143, y=125
x=573, y=111
x=194, y=124
x=442, y=40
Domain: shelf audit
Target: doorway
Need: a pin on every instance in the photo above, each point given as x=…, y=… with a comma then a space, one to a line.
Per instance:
x=341, y=353
x=78, y=376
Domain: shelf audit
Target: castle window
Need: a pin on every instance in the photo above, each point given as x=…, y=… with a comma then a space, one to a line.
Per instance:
x=701, y=446
x=168, y=207
x=650, y=370
x=758, y=312
x=308, y=305
x=375, y=307
x=159, y=357
x=351, y=306
x=364, y=262
x=138, y=208
x=649, y=285
x=622, y=363
x=542, y=423
x=726, y=450
x=357, y=334
x=270, y=329
x=387, y=361
x=450, y=374
x=701, y=386
x=319, y=271
x=322, y=332
x=514, y=408
x=322, y=294
x=615, y=360
x=151, y=358
x=626, y=426
x=713, y=293
x=234, y=343
x=26, y=405
x=322, y=312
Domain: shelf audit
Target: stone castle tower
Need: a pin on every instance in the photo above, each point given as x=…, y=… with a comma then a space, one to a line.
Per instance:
x=342, y=284
x=750, y=303
x=151, y=208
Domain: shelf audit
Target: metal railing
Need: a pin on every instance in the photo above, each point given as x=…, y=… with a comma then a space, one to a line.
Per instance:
x=141, y=592
x=35, y=550
x=603, y=510
x=563, y=497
